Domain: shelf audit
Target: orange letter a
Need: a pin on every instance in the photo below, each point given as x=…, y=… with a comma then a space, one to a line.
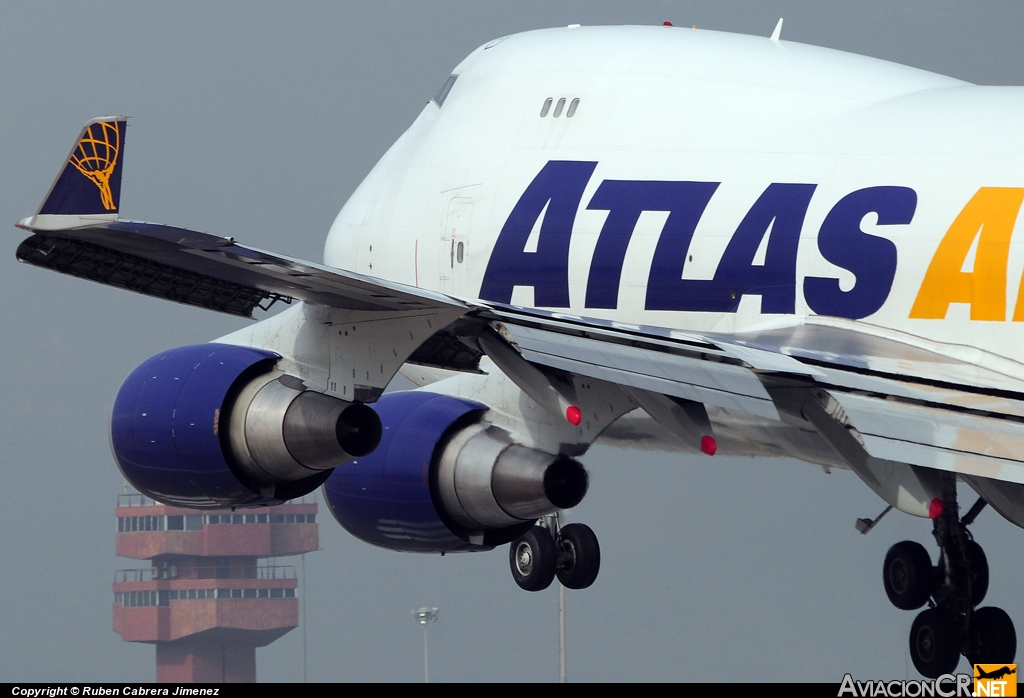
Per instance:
x=990, y=216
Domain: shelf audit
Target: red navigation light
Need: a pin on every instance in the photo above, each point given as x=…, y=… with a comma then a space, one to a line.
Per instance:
x=708, y=445
x=573, y=415
x=935, y=508
x=666, y=24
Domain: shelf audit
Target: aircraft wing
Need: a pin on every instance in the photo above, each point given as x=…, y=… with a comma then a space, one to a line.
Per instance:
x=77, y=231
x=209, y=271
x=950, y=408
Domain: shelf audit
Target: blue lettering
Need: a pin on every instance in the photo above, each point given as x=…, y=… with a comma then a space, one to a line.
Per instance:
x=779, y=213
x=872, y=259
x=625, y=200
x=559, y=186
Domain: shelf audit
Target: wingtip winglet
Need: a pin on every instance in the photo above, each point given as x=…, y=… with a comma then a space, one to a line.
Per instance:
x=89, y=183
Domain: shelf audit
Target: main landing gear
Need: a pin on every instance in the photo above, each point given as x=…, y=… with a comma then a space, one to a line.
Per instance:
x=952, y=625
x=548, y=550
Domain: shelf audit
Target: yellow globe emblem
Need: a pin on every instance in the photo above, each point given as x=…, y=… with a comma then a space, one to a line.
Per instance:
x=95, y=156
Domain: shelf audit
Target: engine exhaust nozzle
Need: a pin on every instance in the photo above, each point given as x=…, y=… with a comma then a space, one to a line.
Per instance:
x=487, y=481
x=280, y=431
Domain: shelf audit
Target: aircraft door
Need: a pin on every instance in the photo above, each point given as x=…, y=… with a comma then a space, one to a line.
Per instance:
x=454, y=249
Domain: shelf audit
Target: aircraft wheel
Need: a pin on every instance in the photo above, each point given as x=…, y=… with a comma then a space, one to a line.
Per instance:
x=979, y=572
x=532, y=559
x=933, y=645
x=993, y=639
x=579, y=556
x=907, y=575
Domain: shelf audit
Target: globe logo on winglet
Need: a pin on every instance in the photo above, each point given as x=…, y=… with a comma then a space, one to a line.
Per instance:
x=95, y=156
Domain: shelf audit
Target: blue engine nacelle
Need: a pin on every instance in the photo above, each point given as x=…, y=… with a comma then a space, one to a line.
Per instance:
x=214, y=425
x=442, y=480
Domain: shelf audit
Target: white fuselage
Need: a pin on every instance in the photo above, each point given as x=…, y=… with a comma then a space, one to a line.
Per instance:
x=734, y=133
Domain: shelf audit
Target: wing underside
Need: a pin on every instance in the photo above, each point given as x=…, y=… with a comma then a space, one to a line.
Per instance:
x=209, y=271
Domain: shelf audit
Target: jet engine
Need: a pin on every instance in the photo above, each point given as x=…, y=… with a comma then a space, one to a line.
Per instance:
x=214, y=425
x=443, y=480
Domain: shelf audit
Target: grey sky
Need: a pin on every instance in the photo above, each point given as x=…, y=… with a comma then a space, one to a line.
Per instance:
x=257, y=121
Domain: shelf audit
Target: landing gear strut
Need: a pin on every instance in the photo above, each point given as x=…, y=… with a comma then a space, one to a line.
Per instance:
x=547, y=550
x=952, y=625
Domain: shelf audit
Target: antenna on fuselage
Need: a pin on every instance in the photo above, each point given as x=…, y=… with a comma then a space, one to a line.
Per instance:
x=778, y=31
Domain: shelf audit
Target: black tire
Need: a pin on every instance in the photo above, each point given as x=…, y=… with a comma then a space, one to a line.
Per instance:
x=579, y=557
x=907, y=575
x=532, y=559
x=933, y=646
x=979, y=572
x=993, y=639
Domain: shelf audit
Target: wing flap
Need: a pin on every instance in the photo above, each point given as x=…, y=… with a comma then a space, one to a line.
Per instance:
x=713, y=382
x=955, y=441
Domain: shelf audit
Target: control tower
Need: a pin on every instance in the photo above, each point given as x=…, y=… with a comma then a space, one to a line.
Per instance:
x=209, y=598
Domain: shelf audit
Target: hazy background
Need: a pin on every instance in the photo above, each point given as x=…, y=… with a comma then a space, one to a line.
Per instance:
x=257, y=121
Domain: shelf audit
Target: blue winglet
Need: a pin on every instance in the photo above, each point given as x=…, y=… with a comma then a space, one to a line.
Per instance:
x=90, y=183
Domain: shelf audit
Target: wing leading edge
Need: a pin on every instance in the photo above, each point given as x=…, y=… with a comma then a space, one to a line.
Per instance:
x=210, y=272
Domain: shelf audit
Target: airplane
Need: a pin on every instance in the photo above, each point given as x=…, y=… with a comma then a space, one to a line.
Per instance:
x=994, y=674
x=712, y=243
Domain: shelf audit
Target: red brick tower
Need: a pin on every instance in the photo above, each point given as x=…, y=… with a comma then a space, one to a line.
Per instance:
x=208, y=600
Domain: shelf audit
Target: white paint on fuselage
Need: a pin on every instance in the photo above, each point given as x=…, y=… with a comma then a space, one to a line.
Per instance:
x=662, y=103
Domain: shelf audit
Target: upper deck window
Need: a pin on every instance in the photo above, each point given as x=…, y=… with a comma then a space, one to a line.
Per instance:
x=545, y=110
x=442, y=94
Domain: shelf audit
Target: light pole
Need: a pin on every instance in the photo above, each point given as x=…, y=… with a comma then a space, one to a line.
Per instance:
x=561, y=633
x=425, y=616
